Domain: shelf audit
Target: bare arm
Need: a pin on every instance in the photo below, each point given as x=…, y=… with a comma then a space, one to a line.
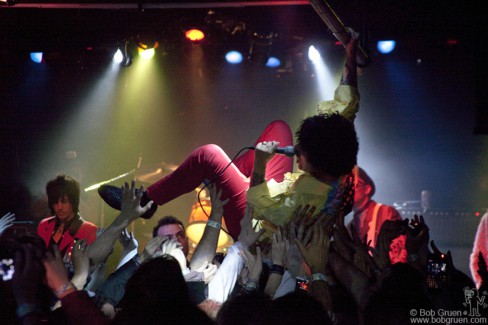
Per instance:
x=101, y=248
x=278, y=255
x=205, y=251
x=349, y=74
x=263, y=153
x=317, y=256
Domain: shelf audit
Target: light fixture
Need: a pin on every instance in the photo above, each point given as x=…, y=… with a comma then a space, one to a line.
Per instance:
x=146, y=46
x=123, y=56
x=8, y=2
x=313, y=54
x=273, y=62
x=36, y=57
x=260, y=48
x=386, y=47
x=118, y=56
x=198, y=221
x=146, y=53
x=233, y=57
x=194, y=35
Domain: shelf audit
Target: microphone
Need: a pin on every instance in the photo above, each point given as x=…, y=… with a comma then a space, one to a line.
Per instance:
x=288, y=151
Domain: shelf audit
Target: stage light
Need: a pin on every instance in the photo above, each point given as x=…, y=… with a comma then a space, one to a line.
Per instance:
x=198, y=221
x=8, y=2
x=233, y=57
x=194, y=35
x=36, y=57
x=118, y=56
x=146, y=46
x=273, y=62
x=260, y=48
x=123, y=56
x=146, y=54
x=385, y=47
x=313, y=54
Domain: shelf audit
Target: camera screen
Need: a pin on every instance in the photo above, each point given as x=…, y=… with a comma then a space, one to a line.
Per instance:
x=436, y=268
x=301, y=284
x=7, y=269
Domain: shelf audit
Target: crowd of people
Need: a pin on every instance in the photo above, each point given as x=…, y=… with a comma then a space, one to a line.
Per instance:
x=294, y=259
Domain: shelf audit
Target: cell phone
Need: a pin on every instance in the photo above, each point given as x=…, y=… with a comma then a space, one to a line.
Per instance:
x=301, y=284
x=436, y=273
x=7, y=269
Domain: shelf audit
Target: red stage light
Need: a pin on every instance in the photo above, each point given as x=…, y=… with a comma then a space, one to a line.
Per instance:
x=194, y=35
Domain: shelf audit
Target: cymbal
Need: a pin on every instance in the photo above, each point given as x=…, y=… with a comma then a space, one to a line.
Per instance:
x=154, y=173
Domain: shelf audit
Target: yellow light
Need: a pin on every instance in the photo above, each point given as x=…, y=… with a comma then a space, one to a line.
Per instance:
x=146, y=54
x=194, y=35
x=195, y=230
x=198, y=221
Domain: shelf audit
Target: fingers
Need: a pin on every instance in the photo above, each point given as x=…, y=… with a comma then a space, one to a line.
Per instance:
x=8, y=218
x=244, y=253
x=298, y=214
x=301, y=230
x=302, y=249
x=308, y=236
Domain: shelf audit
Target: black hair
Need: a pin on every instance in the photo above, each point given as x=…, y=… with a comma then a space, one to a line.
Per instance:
x=167, y=220
x=367, y=180
x=296, y=308
x=157, y=294
x=61, y=186
x=329, y=142
x=245, y=309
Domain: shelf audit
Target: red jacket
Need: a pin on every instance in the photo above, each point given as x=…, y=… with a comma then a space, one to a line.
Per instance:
x=78, y=229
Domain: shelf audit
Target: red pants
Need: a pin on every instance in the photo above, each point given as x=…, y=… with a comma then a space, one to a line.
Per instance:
x=208, y=161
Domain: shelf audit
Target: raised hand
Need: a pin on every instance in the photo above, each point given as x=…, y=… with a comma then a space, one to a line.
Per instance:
x=278, y=247
x=303, y=215
x=416, y=243
x=56, y=274
x=317, y=254
x=81, y=263
x=208, y=270
x=6, y=222
x=130, y=205
x=254, y=263
x=264, y=151
x=293, y=258
x=153, y=248
x=174, y=248
x=248, y=236
x=217, y=203
x=127, y=240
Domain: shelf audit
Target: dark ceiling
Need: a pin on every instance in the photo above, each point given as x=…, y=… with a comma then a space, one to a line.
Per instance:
x=60, y=23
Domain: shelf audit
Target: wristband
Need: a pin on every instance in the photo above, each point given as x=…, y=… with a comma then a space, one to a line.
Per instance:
x=279, y=269
x=26, y=309
x=64, y=288
x=319, y=277
x=213, y=224
x=250, y=286
x=137, y=259
x=412, y=257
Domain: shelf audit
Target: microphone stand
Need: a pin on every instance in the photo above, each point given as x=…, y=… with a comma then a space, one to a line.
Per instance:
x=338, y=29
